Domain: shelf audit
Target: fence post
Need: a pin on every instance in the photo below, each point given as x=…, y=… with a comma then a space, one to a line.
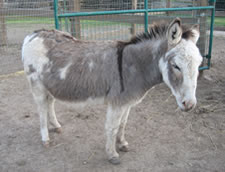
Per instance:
x=146, y=15
x=75, y=21
x=3, y=31
x=133, y=26
x=203, y=26
x=168, y=5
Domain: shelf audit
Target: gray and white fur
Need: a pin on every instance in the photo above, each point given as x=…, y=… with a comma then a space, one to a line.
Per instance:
x=115, y=73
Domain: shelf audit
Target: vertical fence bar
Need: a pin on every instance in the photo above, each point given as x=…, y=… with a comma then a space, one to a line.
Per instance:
x=56, y=14
x=202, y=17
x=146, y=15
x=75, y=21
x=211, y=37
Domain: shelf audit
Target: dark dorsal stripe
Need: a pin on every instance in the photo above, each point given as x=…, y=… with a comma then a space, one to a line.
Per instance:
x=120, y=47
x=154, y=32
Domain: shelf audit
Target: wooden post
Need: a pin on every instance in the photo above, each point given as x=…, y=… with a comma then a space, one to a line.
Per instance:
x=133, y=26
x=3, y=32
x=168, y=5
x=203, y=27
x=193, y=4
x=75, y=21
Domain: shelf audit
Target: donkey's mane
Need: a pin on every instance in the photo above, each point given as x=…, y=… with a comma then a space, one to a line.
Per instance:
x=157, y=30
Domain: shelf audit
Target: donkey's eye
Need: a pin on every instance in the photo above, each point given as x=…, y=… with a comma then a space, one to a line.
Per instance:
x=176, y=67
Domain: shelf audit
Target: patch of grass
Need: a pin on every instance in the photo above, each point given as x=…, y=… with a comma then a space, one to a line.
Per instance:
x=44, y=20
x=94, y=23
x=29, y=20
x=219, y=21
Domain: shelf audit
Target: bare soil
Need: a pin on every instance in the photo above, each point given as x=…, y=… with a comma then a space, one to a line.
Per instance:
x=161, y=137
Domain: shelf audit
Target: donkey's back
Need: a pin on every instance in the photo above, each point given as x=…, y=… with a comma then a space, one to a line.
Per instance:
x=67, y=68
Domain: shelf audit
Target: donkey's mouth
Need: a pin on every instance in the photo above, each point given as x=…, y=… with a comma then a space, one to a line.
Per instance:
x=186, y=105
x=187, y=109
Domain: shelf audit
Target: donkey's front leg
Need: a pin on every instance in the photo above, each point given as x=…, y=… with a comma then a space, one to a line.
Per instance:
x=122, y=143
x=113, y=119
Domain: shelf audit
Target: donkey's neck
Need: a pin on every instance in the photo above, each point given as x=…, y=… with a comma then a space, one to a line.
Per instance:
x=149, y=53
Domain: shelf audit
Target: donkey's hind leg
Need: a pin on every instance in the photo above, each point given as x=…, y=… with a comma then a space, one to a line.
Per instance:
x=52, y=117
x=122, y=143
x=42, y=105
x=41, y=99
x=113, y=119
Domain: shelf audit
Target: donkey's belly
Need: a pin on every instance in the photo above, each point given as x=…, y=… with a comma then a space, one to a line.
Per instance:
x=76, y=90
x=88, y=102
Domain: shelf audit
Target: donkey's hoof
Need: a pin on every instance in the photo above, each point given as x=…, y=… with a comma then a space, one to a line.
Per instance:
x=58, y=130
x=46, y=144
x=114, y=160
x=124, y=148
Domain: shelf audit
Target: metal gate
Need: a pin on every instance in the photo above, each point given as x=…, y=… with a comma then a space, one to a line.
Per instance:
x=117, y=19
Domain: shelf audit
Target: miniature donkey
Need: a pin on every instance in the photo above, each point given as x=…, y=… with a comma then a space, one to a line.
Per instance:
x=116, y=73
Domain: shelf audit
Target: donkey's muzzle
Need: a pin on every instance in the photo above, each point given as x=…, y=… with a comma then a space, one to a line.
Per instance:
x=188, y=105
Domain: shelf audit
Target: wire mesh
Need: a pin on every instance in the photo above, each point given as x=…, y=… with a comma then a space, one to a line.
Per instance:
x=123, y=26
x=105, y=27
x=18, y=19
x=21, y=17
x=220, y=5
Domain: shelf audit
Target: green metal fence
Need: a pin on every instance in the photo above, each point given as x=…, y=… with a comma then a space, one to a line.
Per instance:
x=114, y=23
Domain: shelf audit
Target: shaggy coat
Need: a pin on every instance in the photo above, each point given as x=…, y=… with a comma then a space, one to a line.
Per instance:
x=117, y=73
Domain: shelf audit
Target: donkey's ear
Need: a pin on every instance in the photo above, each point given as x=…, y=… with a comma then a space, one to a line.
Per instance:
x=192, y=34
x=174, y=32
x=196, y=33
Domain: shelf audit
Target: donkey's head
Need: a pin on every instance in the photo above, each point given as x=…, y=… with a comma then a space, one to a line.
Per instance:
x=180, y=65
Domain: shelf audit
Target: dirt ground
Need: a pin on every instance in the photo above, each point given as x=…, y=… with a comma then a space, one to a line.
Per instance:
x=161, y=137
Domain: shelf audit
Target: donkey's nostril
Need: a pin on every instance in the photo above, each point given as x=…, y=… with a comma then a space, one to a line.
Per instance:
x=188, y=105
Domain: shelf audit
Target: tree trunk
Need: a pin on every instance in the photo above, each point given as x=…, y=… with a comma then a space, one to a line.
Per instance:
x=3, y=32
x=133, y=26
x=168, y=5
x=203, y=27
x=75, y=21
